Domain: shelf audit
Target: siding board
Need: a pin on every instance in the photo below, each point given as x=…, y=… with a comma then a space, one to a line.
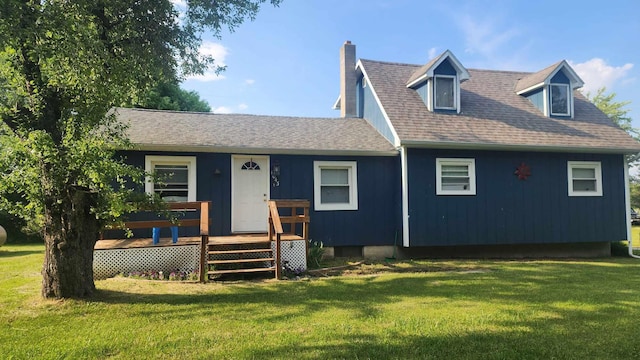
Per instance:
x=373, y=114
x=507, y=210
x=374, y=223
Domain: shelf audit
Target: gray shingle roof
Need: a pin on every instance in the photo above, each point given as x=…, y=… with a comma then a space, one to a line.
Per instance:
x=492, y=116
x=188, y=131
x=423, y=69
x=536, y=78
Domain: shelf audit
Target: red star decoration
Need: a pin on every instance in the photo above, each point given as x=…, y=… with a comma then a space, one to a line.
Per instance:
x=523, y=171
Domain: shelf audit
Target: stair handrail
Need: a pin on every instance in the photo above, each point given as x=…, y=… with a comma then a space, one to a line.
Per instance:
x=275, y=225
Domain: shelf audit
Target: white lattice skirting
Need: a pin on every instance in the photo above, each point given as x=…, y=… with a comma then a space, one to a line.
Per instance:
x=294, y=253
x=109, y=263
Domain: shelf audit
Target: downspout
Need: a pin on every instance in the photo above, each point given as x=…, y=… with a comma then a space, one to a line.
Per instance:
x=405, y=196
x=627, y=203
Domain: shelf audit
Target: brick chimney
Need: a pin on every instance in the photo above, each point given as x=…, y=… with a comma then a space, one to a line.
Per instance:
x=348, y=80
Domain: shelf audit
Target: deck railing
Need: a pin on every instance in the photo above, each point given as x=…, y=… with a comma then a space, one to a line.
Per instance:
x=291, y=221
x=202, y=222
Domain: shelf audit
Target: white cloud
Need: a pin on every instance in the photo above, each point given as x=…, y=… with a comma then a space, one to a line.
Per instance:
x=216, y=51
x=243, y=107
x=483, y=36
x=180, y=3
x=596, y=73
x=250, y=81
x=432, y=53
x=222, y=110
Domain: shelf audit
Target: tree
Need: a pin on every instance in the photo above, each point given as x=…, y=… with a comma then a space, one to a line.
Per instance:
x=616, y=111
x=634, y=187
x=169, y=96
x=63, y=66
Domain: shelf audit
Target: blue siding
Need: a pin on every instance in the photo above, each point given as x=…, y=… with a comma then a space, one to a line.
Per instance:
x=560, y=78
x=209, y=186
x=507, y=210
x=423, y=92
x=374, y=223
x=373, y=114
x=445, y=68
x=359, y=98
x=537, y=99
x=378, y=216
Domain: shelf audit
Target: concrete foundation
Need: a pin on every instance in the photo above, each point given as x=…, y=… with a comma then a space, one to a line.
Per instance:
x=328, y=253
x=377, y=252
x=528, y=251
x=577, y=250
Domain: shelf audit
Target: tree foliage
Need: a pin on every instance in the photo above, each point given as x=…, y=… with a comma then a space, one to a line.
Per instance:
x=63, y=66
x=615, y=110
x=618, y=113
x=634, y=187
x=169, y=96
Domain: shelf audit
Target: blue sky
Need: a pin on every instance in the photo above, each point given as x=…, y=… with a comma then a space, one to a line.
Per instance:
x=286, y=61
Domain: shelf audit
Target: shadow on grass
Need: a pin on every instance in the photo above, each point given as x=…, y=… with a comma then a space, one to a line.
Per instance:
x=547, y=310
x=10, y=253
x=597, y=284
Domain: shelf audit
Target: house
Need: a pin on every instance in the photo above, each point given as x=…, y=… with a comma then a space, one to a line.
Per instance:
x=432, y=159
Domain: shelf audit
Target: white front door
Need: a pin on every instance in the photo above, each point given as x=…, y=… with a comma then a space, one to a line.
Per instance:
x=249, y=193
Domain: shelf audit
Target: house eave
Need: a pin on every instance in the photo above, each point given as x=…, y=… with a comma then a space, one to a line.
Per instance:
x=336, y=105
x=260, y=150
x=417, y=81
x=531, y=88
x=516, y=147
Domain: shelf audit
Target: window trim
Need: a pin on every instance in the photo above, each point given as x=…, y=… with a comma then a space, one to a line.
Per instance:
x=352, y=168
x=569, y=96
x=150, y=161
x=471, y=165
x=596, y=165
x=455, y=92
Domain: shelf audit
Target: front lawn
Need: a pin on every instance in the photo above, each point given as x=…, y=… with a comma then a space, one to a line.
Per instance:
x=580, y=309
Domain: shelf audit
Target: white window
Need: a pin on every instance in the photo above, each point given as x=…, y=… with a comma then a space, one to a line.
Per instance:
x=176, y=177
x=455, y=176
x=585, y=178
x=335, y=185
x=559, y=99
x=445, y=92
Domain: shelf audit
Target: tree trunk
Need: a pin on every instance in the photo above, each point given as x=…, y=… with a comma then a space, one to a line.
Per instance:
x=70, y=233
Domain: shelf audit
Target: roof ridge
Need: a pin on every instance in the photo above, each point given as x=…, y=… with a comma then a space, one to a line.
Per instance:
x=474, y=69
x=503, y=71
x=391, y=62
x=237, y=114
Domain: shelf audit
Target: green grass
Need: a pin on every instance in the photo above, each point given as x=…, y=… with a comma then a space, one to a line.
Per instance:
x=579, y=309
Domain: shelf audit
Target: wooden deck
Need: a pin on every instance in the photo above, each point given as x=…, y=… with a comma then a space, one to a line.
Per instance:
x=249, y=238
x=110, y=244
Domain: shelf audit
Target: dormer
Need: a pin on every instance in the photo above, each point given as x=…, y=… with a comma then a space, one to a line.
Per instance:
x=551, y=89
x=438, y=82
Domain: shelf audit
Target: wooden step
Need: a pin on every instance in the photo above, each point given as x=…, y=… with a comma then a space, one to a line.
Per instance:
x=238, y=242
x=239, y=251
x=240, y=271
x=239, y=261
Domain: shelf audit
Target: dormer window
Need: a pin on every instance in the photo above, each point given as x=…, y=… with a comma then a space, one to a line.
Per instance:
x=560, y=99
x=445, y=92
x=551, y=89
x=438, y=83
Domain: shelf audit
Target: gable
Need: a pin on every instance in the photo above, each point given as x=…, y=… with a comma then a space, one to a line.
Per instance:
x=445, y=68
x=560, y=78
